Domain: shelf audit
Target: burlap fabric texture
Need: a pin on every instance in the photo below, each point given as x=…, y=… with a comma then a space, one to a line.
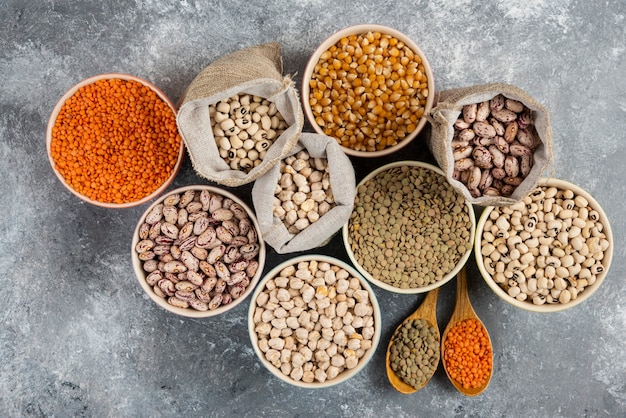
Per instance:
x=343, y=185
x=258, y=71
x=448, y=108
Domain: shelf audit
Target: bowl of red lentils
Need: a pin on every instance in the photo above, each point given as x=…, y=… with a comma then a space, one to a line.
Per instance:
x=369, y=87
x=549, y=252
x=112, y=140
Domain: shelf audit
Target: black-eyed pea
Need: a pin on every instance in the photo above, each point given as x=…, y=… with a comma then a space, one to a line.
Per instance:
x=526, y=259
x=521, y=296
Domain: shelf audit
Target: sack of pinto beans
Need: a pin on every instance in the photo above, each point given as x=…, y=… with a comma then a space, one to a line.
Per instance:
x=240, y=116
x=493, y=141
x=306, y=198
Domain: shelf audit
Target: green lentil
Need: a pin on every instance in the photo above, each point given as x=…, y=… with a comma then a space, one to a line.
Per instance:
x=414, y=354
x=415, y=213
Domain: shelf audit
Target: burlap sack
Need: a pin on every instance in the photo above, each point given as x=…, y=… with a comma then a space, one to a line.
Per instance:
x=448, y=108
x=343, y=185
x=258, y=71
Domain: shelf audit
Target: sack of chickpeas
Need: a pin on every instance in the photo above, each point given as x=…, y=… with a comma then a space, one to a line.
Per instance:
x=240, y=116
x=493, y=141
x=306, y=198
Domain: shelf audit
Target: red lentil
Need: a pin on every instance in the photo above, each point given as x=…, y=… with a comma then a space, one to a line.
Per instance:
x=468, y=354
x=115, y=141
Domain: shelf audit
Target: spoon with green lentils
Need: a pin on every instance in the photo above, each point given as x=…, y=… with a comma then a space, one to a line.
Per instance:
x=414, y=349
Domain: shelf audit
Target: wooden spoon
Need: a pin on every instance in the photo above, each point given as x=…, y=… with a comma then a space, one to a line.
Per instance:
x=463, y=310
x=427, y=311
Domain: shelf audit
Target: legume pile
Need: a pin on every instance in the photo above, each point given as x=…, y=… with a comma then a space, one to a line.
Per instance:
x=303, y=193
x=547, y=248
x=414, y=354
x=313, y=321
x=467, y=353
x=244, y=127
x=200, y=250
x=115, y=141
x=368, y=91
x=409, y=227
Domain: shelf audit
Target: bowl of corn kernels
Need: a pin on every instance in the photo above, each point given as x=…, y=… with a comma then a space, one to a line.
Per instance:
x=112, y=140
x=369, y=87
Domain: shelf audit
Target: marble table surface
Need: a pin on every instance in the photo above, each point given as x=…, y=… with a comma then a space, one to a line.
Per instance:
x=78, y=337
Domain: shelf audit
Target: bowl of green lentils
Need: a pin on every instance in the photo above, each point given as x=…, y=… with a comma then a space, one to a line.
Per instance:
x=409, y=231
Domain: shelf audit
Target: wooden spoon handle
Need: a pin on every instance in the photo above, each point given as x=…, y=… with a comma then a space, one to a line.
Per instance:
x=463, y=308
x=428, y=308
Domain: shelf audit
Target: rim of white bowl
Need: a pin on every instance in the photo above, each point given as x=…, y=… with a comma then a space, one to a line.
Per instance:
x=557, y=307
x=140, y=274
x=55, y=113
x=358, y=29
x=462, y=261
x=346, y=374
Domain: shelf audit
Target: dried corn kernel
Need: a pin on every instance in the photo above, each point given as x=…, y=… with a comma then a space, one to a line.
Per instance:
x=368, y=91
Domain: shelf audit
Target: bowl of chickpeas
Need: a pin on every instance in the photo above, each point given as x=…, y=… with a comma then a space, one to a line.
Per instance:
x=314, y=321
x=547, y=253
x=369, y=87
x=112, y=140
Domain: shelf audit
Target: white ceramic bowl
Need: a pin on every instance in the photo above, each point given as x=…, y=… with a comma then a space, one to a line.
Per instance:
x=141, y=274
x=461, y=262
x=357, y=30
x=55, y=113
x=345, y=374
x=556, y=307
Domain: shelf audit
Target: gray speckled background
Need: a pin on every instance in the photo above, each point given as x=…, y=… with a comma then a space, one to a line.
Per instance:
x=79, y=338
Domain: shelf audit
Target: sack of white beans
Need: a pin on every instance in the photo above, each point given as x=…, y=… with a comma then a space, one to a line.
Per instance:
x=240, y=116
x=306, y=198
x=492, y=141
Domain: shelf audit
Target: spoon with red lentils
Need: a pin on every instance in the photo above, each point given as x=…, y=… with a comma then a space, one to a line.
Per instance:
x=466, y=348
